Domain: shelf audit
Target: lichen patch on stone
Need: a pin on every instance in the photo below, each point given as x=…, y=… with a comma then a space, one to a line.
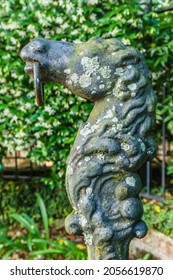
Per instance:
x=69, y=170
x=125, y=147
x=132, y=87
x=108, y=115
x=85, y=81
x=119, y=126
x=119, y=71
x=74, y=78
x=67, y=71
x=90, y=65
x=101, y=86
x=87, y=129
x=88, y=238
x=131, y=181
x=82, y=220
x=88, y=191
x=105, y=72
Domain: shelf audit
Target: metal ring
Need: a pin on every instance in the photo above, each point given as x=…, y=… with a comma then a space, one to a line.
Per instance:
x=39, y=88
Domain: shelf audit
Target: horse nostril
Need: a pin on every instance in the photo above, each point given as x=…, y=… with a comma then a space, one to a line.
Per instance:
x=23, y=54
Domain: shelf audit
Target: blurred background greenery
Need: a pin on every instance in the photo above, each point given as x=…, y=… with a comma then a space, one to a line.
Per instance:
x=46, y=134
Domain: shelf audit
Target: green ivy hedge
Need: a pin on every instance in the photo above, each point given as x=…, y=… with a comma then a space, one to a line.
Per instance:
x=47, y=133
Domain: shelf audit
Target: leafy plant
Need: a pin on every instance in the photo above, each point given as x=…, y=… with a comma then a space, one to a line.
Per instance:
x=159, y=215
x=18, y=196
x=34, y=242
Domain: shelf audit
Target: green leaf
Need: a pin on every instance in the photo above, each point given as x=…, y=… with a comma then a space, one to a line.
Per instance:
x=8, y=253
x=43, y=214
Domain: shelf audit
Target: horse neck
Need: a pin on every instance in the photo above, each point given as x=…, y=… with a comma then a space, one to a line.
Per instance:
x=104, y=106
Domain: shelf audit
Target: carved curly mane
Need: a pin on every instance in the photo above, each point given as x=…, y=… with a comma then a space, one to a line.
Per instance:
x=115, y=141
x=120, y=125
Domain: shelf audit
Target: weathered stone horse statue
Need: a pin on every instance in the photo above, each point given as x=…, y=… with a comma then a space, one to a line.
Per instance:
x=102, y=181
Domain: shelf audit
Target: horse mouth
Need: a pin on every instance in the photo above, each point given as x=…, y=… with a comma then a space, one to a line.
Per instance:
x=29, y=68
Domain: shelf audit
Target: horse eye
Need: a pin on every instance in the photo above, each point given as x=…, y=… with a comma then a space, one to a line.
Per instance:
x=38, y=47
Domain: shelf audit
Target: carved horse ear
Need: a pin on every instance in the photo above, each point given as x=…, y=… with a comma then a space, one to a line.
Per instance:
x=39, y=87
x=96, y=39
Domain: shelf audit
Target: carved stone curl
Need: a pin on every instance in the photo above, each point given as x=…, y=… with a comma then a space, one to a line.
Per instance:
x=102, y=180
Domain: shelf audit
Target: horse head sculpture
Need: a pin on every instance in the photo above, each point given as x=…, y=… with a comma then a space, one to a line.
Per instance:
x=101, y=179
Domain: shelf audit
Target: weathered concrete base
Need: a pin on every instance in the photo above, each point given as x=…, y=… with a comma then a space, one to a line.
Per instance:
x=156, y=243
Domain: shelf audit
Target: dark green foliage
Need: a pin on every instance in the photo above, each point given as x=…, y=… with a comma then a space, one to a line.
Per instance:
x=32, y=243
x=20, y=197
x=49, y=132
x=159, y=215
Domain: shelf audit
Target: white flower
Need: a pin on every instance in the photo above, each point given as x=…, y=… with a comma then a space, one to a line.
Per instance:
x=77, y=41
x=31, y=28
x=125, y=41
x=28, y=121
x=45, y=2
x=31, y=94
x=65, y=26
x=28, y=106
x=14, y=119
x=56, y=123
x=93, y=17
x=46, y=125
x=7, y=112
x=93, y=2
x=59, y=20
x=40, y=119
x=18, y=141
x=49, y=132
x=49, y=110
x=74, y=32
x=79, y=12
x=6, y=57
x=19, y=148
x=69, y=7
x=39, y=144
x=20, y=135
x=61, y=3
x=10, y=26
x=74, y=18
x=2, y=120
x=37, y=135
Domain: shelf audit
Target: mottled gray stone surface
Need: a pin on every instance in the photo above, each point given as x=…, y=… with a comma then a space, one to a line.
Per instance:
x=102, y=181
